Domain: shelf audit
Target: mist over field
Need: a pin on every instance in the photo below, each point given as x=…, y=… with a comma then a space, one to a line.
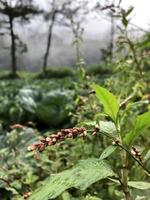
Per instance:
x=97, y=28
x=62, y=51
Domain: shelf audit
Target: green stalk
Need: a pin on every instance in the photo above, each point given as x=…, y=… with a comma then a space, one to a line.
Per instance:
x=124, y=157
x=125, y=176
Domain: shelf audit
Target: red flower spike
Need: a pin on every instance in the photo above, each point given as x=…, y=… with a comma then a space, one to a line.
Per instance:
x=55, y=138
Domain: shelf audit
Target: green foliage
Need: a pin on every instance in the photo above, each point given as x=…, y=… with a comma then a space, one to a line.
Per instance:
x=98, y=70
x=37, y=101
x=14, y=156
x=107, y=152
x=142, y=122
x=32, y=172
x=108, y=127
x=80, y=176
x=108, y=100
x=65, y=196
x=139, y=185
x=52, y=103
x=125, y=14
x=58, y=72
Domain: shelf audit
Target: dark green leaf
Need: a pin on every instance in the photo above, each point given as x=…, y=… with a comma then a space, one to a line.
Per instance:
x=125, y=21
x=89, y=197
x=129, y=11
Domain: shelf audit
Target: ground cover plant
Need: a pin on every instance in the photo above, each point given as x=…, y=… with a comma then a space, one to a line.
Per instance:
x=30, y=100
x=109, y=134
x=91, y=170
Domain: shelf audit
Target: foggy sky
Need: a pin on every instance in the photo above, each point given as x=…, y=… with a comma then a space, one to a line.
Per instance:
x=96, y=36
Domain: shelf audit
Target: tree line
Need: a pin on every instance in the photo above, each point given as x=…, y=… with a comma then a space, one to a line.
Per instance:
x=19, y=11
x=70, y=14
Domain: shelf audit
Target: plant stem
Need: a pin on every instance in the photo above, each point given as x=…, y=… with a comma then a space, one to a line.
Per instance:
x=124, y=158
x=125, y=176
x=141, y=164
x=128, y=152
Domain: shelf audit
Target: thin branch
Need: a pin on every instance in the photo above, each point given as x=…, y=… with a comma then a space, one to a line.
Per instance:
x=141, y=164
x=127, y=99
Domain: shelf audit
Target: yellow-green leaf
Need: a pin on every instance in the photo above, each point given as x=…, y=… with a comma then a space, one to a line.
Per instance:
x=107, y=152
x=139, y=185
x=108, y=100
x=142, y=122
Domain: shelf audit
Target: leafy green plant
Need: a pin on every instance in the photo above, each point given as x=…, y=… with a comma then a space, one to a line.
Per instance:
x=81, y=176
x=36, y=100
x=92, y=170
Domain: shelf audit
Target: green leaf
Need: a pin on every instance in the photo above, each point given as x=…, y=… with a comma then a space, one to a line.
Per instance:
x=107, y=152
x=85, y=173
x=108, y=100
x=139, y=185
x=129, y=11
x=89, y=124
x=81, y=73
x=135, y=184
x=107, y=127
x=142, y=122
x=89, y=197
x=66, y=196
x=147, y=156
x=125, y=21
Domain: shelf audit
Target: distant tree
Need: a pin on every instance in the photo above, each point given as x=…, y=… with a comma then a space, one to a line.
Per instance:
x=50, y=16
x=76, y=15
x=109, y=8
x=10, y=11
x=63, y=14
x=112, y=32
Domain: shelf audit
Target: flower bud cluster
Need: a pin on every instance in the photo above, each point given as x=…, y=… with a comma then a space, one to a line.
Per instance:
x=96, y=130
x=136, y=153
x=55, y=138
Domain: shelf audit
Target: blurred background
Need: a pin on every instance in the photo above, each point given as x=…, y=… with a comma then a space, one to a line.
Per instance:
x=96, y=19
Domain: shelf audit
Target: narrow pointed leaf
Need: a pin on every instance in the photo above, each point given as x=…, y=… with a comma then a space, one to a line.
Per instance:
x=139, y=185
x=107, y=152
x=108, y=100
x=135, y=184
x=142, y=122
